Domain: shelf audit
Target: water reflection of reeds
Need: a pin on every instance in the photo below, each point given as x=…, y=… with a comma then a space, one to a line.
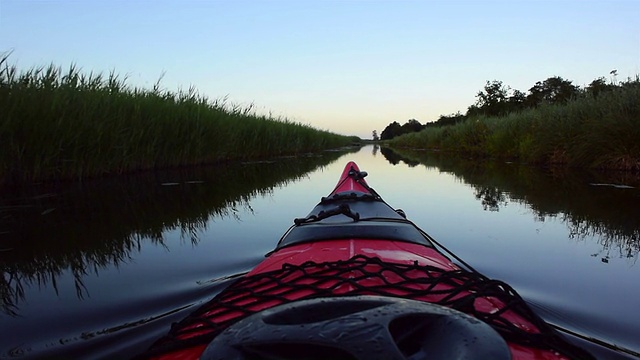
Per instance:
x=606, y=213
x=83, y=228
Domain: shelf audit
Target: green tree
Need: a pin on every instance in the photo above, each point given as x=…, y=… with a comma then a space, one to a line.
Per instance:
x=554, y=90
x=412, y=125
x=392, y=130
x=445, y=120
x=493, y=100
x=517, y=100
x=598, y=86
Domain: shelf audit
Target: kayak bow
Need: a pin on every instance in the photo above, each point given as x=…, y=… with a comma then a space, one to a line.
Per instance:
x=355, y=279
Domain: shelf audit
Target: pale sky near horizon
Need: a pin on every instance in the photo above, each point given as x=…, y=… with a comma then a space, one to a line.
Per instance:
x=345, y=66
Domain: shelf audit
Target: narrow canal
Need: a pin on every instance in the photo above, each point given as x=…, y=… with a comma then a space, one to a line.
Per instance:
x=101, y=269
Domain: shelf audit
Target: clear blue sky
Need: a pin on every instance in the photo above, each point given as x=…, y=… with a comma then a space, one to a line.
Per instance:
x=345, y=66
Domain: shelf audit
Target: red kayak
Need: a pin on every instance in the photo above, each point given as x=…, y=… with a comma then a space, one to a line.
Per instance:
x=356, y=280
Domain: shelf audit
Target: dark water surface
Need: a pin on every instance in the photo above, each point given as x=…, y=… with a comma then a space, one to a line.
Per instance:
x=103, y=268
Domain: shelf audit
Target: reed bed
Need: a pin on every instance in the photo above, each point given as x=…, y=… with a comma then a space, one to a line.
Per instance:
x=591, y=132
x=66, y=124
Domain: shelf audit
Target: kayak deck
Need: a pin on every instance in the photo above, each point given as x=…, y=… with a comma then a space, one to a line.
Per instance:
x=343, y=249
x=327, y=269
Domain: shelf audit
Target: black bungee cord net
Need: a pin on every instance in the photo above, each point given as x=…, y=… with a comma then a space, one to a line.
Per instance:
x=460, y=290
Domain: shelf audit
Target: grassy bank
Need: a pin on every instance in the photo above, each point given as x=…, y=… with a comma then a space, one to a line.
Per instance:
x=592, y=132
x=61, y=124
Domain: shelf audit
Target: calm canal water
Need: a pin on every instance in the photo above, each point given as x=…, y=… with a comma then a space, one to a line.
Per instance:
x=103, y=268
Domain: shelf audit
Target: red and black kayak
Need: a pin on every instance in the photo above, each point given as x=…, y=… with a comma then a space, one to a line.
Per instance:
x=356, y=280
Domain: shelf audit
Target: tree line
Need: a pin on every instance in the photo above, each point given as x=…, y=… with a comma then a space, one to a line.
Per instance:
x=498, y=99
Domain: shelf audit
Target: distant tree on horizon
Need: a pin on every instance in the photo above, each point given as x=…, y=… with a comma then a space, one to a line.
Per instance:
x=392, y=130
x=498, y=99
x=445, y=120
x=554, y=90
x=395, y=129
x=598, y=86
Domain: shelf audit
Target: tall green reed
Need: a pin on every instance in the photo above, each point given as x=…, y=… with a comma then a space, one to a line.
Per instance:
x=61, y=124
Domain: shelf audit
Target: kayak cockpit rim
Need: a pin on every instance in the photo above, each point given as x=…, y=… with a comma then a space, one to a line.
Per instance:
x=353, y=215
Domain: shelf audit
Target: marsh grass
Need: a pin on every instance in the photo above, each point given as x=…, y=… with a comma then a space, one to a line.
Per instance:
x=592, y=132
x=66, y=124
